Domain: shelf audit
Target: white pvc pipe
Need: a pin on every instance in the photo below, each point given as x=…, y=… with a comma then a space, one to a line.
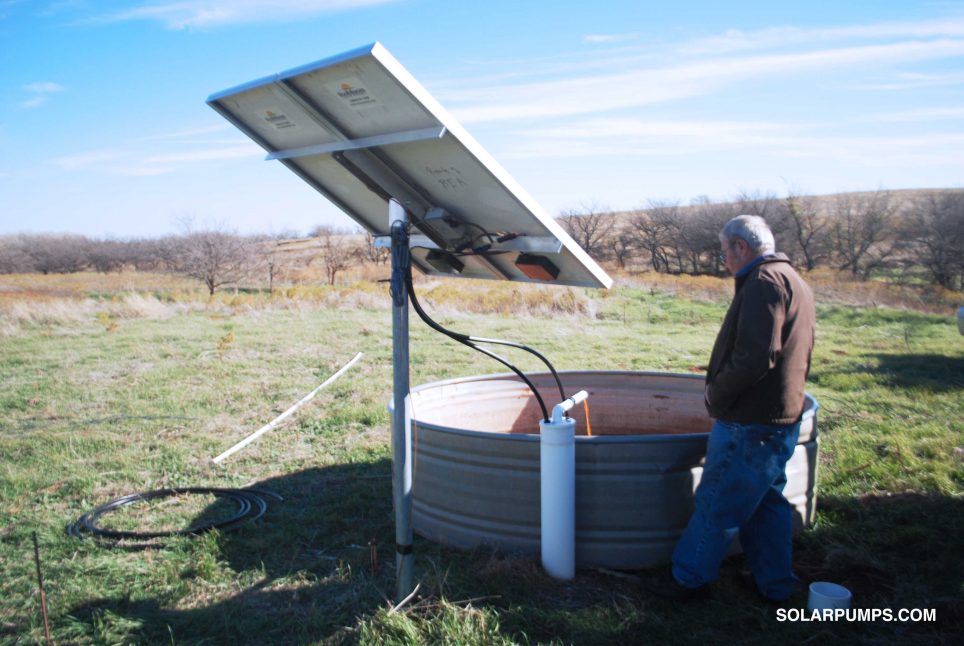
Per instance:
x=557, y=458
x=280, y=418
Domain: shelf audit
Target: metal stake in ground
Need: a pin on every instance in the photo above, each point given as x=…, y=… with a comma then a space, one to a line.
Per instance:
x=401, y=429
x=40, y=585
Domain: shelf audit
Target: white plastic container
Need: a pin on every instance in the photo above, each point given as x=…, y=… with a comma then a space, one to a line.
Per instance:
x=826, y=595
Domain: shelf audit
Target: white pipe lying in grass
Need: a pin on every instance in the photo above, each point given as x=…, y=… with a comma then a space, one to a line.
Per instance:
x=270, y=425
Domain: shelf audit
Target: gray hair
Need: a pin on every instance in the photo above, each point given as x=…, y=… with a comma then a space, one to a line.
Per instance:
x=753, y=230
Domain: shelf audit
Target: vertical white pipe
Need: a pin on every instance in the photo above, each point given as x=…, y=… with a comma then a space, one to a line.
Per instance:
x=558, y=497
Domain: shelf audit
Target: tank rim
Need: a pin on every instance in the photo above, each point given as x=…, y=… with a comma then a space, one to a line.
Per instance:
x=809, y=411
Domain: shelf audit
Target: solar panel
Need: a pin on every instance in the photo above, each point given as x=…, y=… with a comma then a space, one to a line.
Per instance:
x=361, y=130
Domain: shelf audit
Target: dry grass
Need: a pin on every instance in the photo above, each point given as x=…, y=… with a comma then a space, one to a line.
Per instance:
x=489, y=297
x=33, y=300
x=829, y=286
x=49, y=311
x=703, y=288
x=46, y=301
x=839, y=287
x=84, y=283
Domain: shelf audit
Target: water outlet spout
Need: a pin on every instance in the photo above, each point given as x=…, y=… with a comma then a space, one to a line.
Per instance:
x=559, y=410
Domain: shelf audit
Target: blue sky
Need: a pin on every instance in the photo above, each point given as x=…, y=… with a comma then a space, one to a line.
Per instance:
x=104, y=128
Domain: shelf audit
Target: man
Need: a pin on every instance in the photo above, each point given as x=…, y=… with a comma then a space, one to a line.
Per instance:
x=755, y=392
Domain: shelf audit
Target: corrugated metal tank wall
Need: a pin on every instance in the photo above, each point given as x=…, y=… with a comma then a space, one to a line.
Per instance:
x=476, y=463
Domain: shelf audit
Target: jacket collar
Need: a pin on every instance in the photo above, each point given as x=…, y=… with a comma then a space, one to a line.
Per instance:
x=752, y=267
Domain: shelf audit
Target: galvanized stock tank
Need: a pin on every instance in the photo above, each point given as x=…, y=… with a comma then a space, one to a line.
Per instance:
x=476, y=463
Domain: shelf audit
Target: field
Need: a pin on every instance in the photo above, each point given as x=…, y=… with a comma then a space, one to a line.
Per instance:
x=119, y=384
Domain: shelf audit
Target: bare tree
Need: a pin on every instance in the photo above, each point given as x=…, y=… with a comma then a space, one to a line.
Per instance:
x=589, y=227
x=59, y=253
x=373, y=254
x=656, y=229
x=755, y=203
x=147, y=254
x=621, y=244
x=107, y=255
x=701, y=235
x=337, y=251
x=863, y=232
x=215, y=256
x=267, y=256
x=805, y=231
x=13, y=258
x=937, y=230
x=273, y=260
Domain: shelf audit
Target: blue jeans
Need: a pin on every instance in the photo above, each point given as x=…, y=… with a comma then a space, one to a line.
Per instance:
x=741, y=492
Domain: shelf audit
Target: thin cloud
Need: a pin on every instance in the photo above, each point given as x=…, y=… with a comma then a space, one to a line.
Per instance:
x=34, y=102
x=670, y=138
x=648, y=86
x=608, y=38
x=879, y=151
x=920, y=114
x=913, y=81
x=144, y=171
x=736, y=40
x=206, y=13
x=45, y=87
x=644, y=137
x=247, y=150
x=191, y=133
x=620, y=128
x=5, y=5
x=41, y=92
x=141, y=162
x=626, y=55
x=89, y=158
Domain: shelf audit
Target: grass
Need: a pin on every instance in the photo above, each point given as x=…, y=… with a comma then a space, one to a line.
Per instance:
x=106, y=395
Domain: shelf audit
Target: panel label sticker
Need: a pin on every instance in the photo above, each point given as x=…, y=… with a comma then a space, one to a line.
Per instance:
x=276, y=119
x=352, y=92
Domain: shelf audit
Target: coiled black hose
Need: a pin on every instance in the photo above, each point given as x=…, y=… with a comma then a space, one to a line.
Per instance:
x=251, y=506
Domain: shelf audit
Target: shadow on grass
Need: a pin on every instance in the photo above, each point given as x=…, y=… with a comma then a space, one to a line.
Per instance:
x=935, y=372
x=892, y=551
x=309, y=561
x=309, y=564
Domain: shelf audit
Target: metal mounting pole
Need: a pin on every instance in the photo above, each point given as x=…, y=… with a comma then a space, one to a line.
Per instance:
x=401, y=428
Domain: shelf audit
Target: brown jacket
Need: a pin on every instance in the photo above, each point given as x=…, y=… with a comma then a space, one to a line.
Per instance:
x=761, y=357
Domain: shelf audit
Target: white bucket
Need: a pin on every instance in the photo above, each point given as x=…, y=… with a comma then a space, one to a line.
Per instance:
x=826, y=595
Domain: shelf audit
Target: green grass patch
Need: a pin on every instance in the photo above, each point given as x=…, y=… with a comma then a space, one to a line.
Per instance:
x=89, y=413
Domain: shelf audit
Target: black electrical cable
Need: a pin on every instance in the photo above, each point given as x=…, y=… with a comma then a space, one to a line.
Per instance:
x=484, y=233
x=458, y=336
x=471, y=341
x=251, y=506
